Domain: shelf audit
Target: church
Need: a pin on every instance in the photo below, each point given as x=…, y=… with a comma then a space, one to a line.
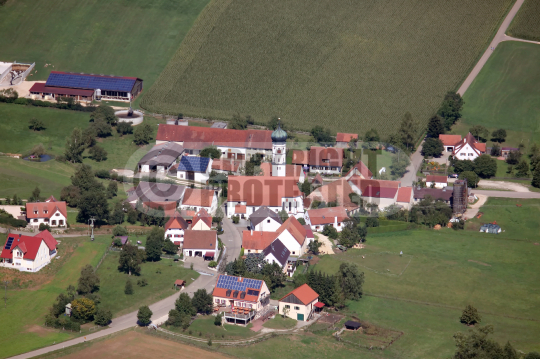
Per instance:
x=277, y=190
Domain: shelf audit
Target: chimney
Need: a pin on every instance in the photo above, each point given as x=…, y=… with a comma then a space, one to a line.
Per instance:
x=252, y=231
x=335, y=222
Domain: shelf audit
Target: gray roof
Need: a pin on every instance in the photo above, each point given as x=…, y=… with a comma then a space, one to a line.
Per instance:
x=435, y=193
x=157, y=192
x=162, y=155
x=278, y=249
x=219, y=124
x=261, y=214
x=490, y=228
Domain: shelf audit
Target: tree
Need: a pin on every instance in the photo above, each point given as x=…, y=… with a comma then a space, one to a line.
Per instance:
x=124, y=128
x=450, y=109
x=36, y=125
x=372, y=136
x=83, y=309
x=129, y=261
x=285, y=311
x=237, y=122
x=104, y=113
x=177, y=319
x=170, y=248
x=112, y=189
x=35, y=195
x=154, y=244
x=217, y=320
x=37, y=150
x=184, y=305
x=330, y=231
x=43, y=227
x=407, y=131
x=103, y=317
x=88, y=281
x=132, y=215
x=522, y=169
x=314, y=246
x=92, y=204
x=536, y=177
x=435, y=126
x=273, y=275
x=471, y=177
x=101, y=128
x=463, y=165
x=143, y=134
x=128, y=289
x=496, y=150
x=322, y=135
x=211, y=152
x=117, y=215
x=75, y=146
x=283, y=215
x=202, y=301
x=143, y=315
x=399, y=165
x=485, y=166
x=119, y=231
x=372, y=222
x=534, y=151
x=71, y=195
x=89, y=136
x=513, y=157
x=470, y=315
x=85, y=179
x=351, y=280
x=98, y=153
x=480, y=132
x=273, y=123
x=432, y=147
x=498, y=135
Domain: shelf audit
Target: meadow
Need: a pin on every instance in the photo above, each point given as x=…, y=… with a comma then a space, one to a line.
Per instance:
x=125, y=37
x=526, y=24
x=505, y=95
x=349, y=66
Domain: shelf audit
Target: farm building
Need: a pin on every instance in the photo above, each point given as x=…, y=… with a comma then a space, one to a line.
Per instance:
x=343, y=139
x=444, y=194
x=160, y=158
x=450, y=142
x=53, y=213
x=28, y=254
x=200, y=244
x=202, y=221
x=276, y=252
x=326, y=160
x=361, y=170
x=225, y=166
x=490, y=228
x=256, y=241
x=153, y=192
x=335, y=191
x=433, y=181
x=87, y=87
x=505, y=151
x=332, y=216
x=200, y=199
x=300, y=303
x=469, y=148
x=193, y=168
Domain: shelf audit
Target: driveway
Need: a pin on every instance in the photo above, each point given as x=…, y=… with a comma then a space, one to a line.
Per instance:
x=410, y=176
x=473, y=211
x=326, y=247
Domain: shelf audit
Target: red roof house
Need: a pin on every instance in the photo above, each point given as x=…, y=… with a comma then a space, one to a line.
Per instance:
x=52, y=213
x=26, y=253
x=346, y=137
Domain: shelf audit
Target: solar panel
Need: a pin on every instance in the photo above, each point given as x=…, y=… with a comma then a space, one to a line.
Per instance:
x=90, y=82
x=9, y=243
x=195, y=164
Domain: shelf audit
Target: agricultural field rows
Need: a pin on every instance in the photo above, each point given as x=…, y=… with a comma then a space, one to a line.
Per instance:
x=346, y=65
x=526, y=24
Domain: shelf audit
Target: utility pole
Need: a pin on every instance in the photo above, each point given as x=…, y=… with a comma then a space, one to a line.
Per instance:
x=6, y=282
x=92, y=226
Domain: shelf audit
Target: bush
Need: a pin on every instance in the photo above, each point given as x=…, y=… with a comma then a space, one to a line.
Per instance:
x=83, y=309
x=128, y=289
x=103, y=174
x=372, y=222
x=124, y=128
x=142, y=282
x=470, y=316
x=36, y=125
x=120, y=231
x=330, y=232
x=212, y=264
x=143, y=134
x=144, y=315
x=235, y=219
x=458, y=225
x=98, y=153
x=44, y=226
x=103, y=317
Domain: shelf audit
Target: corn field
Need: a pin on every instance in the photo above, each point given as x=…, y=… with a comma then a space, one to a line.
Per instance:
x=347, y=65
x=526, y=24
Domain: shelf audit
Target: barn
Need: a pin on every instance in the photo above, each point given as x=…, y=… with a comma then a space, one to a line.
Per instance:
x=87, y=87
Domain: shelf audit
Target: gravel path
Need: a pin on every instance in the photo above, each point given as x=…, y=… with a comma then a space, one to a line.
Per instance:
x=507, y=186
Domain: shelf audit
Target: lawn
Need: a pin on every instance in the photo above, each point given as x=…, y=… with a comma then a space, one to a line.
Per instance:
x=526, y=24
x=21, y=329
x=160, y=276
x=349, y=66
x=280, y=323
x=204, y=327
x=124, y=38
x=505, y=95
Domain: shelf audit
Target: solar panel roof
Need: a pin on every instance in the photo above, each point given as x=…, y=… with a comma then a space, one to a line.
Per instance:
x=192, y=163
x=231, y=282
x=85, y=81
x=9, y=243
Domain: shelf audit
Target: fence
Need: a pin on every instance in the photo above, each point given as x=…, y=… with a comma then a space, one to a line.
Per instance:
x=102, y=258
x=22, y=76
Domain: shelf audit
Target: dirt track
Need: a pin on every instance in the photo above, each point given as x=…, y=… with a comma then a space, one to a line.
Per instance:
x=507, y=186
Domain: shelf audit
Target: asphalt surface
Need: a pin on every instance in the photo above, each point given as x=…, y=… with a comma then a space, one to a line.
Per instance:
x=410, y=176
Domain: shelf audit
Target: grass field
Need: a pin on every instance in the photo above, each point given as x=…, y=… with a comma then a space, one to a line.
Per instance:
x=124, y=38
x=21, y=329
x=160, y=285
x=345, y=65
x=505, y=95
x=280, y=323
x=526, y=24
x=207, y=329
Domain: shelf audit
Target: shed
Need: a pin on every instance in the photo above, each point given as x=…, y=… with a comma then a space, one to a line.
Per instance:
x=179, y=283
x=349, y=324
x=68, y=309
x=318, y=306
x=123, y=239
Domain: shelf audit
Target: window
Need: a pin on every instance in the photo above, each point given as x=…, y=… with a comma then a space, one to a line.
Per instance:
x=181, y=176
x=45, y=211
x=296, y=308
x=287, y=306
x=35, y=220
x=267, y=221
x=61, y=222
x=339, y=224
x=35, y=212
x=53, y=222
x=217, y=300
x=293, y=252
x=55, y=214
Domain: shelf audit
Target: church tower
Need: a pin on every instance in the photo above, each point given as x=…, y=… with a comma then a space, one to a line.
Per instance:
x=279, y=152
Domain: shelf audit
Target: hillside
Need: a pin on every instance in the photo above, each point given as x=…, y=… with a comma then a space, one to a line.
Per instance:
x=347, y=65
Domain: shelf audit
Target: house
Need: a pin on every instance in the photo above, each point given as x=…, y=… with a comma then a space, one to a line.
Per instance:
x=338, y=192
x=361, y=170
x=445, y=194
x=156, y=192
x=343, y=139
x=293, y=235
x=233, y=144
x=197, y=199
x=380, y=192
x=299, y=304
x=317, y=180
x=505, y=151
x=193, y=169
x=468, y=148
x=226, y=166
x=490, y=228
x=202, y=221
x=26, y=253
x=326, y=160
x=276, y=252
x=53, y=214
x=332, y=216
x=405, y=197
x=160, y=158
x=264, y=220
x=246, y=194
x=200, y=244
x=174, y=229
x=256, y=241
x=123, y=239
x=449, y=142
x=301, y=158
x=433, y=181
x=244, y=299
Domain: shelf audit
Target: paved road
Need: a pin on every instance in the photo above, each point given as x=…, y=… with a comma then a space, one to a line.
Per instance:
x=506, y=194
x=410, y=176
x=159, y=309
x=499, y=37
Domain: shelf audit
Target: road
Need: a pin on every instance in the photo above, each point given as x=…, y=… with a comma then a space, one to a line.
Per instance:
x=410, y=176
x=500, y=36
x=160, y=309
x=506, y=194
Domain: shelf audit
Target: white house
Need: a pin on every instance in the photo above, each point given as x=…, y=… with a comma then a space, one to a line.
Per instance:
x=449, y=142
x=202, y=221
x=193, y=168
x=52, y=213
x=160, y=158
x=326, y=160
x=28, y=254
x=276, y=252
x=433, y=181
x=299, y=304
x=293, y=236
x=197, y=199
x=174, y=229
x=333, y=216
x=264, y=220
x=200, y=244
x=469, y=148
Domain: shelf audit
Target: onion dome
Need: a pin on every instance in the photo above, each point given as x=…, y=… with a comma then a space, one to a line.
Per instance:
x=279, y=135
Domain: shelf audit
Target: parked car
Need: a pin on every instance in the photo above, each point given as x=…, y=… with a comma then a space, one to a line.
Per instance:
x=453, y=175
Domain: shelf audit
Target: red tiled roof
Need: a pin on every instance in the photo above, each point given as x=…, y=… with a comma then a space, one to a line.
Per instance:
x=203, y=136
x=450, y=140
x=179, y=282
x=380, y=192
x=361, y=168
x=319, y=304
x=176, y=222
x=41, y=88
x=261, y=190
x=438, y=179
x=202, y=215
x=309, y=232
x=198, y=197
x=240, y=209
x=326, y=156
x=335, y=191
x=225, y=165
x=295, y=228
x=326, y=215
x=318, y=179
x=200, y=239
x=169, y=208
x=28, y=245
x=346, y=137
x=257, y=240
x=51, y=199
x=478, y=147
x=266, y=168
x=404, y=194
x=300, y=157
x=48, y=238
x=222, y=292
x=41, y=207
x=304, y=293
x=293, y=171
x=362, y=184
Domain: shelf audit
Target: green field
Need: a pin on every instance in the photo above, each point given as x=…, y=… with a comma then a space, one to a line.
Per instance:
x=526, y=24
x=349, y=66
x=505, y=94
x=124, y=38
x=205, y=325
x=280, y=323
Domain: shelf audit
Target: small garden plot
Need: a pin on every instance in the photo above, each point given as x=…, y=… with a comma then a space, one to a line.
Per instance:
x=388, y=263
x=371, y=336
x=280, y=323
x=204, y=327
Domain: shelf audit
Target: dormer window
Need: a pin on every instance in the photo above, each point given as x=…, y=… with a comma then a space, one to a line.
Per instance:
x=45, y=211
x=35, y=212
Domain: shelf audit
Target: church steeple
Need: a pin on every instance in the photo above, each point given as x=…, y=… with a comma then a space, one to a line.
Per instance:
x=279, y=151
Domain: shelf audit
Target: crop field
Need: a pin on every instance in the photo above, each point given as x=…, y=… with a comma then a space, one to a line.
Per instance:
x=121, y=37
x=345, y=65
x=505, y=94
x=526, y=24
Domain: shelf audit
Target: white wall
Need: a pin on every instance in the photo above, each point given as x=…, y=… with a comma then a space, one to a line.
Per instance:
x=267, y=225
x=291, y=243
x=172, y=232
x=35, y=222
x=439, y=185
x=295, y=309
x=325, y=170
x=466, y=153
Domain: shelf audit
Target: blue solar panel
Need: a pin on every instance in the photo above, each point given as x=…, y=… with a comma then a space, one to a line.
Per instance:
x=193, y=164
x=231, y=282
x=9, y=243
x=90, y=82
